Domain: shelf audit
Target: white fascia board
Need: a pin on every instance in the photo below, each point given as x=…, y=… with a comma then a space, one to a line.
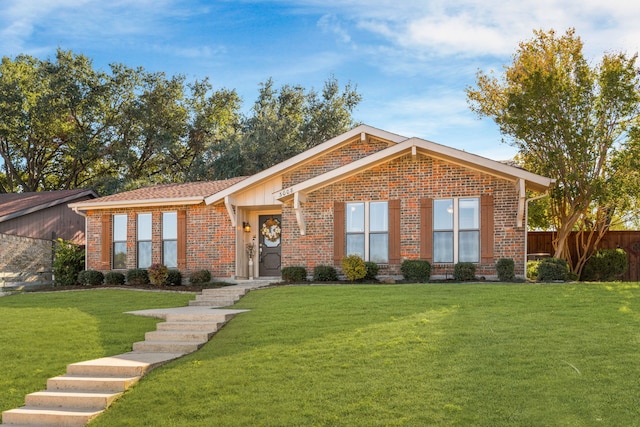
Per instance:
x=137, y=203
x=304, y=157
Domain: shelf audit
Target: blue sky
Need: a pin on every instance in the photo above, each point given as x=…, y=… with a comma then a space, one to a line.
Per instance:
x=410, y=59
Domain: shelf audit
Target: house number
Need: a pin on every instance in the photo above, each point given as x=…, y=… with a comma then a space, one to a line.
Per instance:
x=285, y=192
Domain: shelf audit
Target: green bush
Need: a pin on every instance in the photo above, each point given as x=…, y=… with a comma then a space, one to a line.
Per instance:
x=354, y=267
x=605, y=265
x=158, y=274
x=174, y=278
x=137, y=277
x=416, y=270
x=114, y=278
x=553, y=269
x=199, y=277
x=68, y=261
x=532, y=269
x=372, y=270
x=294, y=274
x=325, y=273
x=464, y=271
x=90, y=278
x=506, y=269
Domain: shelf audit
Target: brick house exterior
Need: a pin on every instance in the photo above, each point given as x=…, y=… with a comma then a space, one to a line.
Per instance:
x=380, y=195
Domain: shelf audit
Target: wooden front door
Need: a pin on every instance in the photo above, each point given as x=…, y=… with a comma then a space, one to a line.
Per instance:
x=269, y=245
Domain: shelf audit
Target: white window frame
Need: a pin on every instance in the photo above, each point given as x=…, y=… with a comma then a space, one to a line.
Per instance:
x=165, y=237
x=367, y=229
x=455, y=205
x=139, y=240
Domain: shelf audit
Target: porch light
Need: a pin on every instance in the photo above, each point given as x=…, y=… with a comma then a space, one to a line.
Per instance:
x=246, y=227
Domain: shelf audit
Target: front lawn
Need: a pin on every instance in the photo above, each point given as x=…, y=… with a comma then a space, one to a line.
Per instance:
x=41, y=333
x=414, y=355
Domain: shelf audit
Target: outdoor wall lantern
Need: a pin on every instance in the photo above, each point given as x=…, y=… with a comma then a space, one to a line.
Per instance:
x=246, y=227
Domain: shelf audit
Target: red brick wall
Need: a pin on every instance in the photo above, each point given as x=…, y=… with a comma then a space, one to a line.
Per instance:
x=409, y=180
x=210, y=238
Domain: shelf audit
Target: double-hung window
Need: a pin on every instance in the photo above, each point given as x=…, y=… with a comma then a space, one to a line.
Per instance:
x=144, y=240
x=456, y=230
x=119, y=234
x=367, y=231
x=170, y=239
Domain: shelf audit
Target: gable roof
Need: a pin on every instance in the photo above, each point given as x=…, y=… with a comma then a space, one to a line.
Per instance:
x=188, y=193
x=13, y=205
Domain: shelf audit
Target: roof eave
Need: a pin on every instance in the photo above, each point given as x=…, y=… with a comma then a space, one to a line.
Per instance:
x=115, y=204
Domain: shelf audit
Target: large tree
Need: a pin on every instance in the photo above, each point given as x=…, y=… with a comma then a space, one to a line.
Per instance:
x=572, y=122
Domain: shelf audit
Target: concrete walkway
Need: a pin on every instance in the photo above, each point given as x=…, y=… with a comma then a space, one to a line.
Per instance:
x=89, y=387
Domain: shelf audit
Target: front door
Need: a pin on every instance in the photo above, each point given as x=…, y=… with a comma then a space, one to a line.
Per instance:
x=269, y=250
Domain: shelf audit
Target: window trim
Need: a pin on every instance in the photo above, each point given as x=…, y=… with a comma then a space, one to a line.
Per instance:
x=457, y=229
x=164, y=239
x=366, y=232
x=114, y=241
x=139, y=241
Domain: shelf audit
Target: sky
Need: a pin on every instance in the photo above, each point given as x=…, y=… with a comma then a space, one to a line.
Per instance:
x=411, y=60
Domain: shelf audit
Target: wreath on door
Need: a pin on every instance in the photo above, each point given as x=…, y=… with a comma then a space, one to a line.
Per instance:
x=270, y=230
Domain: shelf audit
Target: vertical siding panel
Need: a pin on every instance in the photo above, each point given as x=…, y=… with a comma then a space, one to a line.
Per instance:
x=394, y=232
x=486, y=229
x=338, y=232
x=426, y=229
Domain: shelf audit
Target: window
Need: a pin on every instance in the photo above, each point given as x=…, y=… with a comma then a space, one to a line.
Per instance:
x=119, y=242
x=368, y=231
x=170, y=239
x=456, y=230
x=144, y=240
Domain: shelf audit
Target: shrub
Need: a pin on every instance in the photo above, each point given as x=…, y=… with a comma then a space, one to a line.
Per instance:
x=605, y=264
x=372, y=270
x=137, y=277
x=354, y=267
x=113, y=278
x=506, y=269
x=199, y=277
x=90, y=278
x=532, y=269
x=68, y=261
x=174, y=278
x=325, y=273
x=552, y=269
x=294, y=274
x=158, y=274
x=416, y=270
x=464, y=271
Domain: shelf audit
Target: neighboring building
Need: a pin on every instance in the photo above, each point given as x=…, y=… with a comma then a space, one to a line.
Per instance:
x=43, y=215
x=29, y=223
x=368, y=192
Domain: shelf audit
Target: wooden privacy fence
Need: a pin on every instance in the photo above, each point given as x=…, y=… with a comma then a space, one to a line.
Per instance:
x=540, y=242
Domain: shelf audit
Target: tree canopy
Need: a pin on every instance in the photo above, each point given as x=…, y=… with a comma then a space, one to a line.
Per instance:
x=573, y=122
x=64, y=125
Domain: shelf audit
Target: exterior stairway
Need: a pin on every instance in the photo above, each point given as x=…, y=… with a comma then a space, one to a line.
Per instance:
x=88, y=388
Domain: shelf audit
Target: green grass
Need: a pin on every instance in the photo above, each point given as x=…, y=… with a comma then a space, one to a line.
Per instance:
x=413, y=355
x=41, y=333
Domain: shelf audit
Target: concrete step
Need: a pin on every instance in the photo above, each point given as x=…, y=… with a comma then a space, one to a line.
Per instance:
x=225, y=291
x=199, y=317
x=48, y=416
x=182, y=336
x=76, y=383
x=189, y=326
x=124, y=365
x=70, y=400
x=213, y=302
x=166, y=346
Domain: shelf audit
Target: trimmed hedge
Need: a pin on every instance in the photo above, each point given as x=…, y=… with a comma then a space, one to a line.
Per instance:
x=325, y=273
x=605, y=265
x=464, y=271
x=137, y=277
x=553, y=269
x=113, y=278
x=199, y=277
x=506, y=269
x=90, y=278
x=372, y=270
x=294, y=274
x=416, y=270
x=174, y=278
x=354, y=267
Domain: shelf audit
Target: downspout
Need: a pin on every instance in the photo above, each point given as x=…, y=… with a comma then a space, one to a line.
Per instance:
x=526, y=227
